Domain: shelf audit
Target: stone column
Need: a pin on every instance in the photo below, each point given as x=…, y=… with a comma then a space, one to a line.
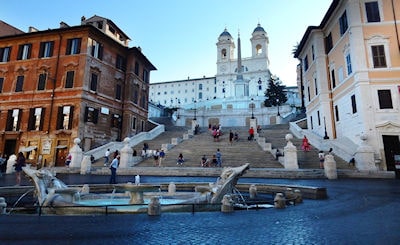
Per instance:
x=330, y=167
x=126, y=154
x=171, y=188
x=76, y=154
x=290, y=154
x=364, y=157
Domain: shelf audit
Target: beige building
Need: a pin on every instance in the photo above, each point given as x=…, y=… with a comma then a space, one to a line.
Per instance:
x=350, y=76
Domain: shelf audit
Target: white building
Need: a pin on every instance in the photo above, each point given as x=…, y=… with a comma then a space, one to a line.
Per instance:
x=239, y=85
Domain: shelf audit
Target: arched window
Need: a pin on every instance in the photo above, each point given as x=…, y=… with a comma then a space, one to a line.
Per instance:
x=223, y=53
x=259, y=49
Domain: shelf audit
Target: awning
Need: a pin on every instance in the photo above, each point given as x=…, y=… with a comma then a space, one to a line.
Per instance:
x=27, y=148
x=61, y=147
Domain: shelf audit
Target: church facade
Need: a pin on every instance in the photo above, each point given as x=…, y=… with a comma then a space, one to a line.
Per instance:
x=239, y=84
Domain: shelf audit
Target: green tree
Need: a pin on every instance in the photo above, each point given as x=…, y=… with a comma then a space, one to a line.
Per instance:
x=275, y=94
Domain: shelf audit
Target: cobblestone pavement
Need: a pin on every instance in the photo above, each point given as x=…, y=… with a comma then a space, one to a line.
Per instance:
x=357, y=211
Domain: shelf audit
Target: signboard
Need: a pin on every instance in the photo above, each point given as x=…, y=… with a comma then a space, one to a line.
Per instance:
x=46, y=147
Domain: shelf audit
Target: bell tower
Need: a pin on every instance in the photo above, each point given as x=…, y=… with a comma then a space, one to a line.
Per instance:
x=225, y=52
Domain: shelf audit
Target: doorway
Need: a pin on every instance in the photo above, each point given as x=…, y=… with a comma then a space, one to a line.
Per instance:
x=391, y=146
x=9, y=149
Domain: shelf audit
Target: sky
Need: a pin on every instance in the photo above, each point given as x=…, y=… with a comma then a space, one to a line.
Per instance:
x=179, y=36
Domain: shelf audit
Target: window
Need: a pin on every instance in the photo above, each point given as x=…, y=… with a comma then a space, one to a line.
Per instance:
x=97, y=50
x=46, y=49
x=378, y=56
x=353, y=104
x=348, y=64
x=24, y=51
x=69, y=81
x=145, y=76
x=13, y=120
x=42, y=81
x=223, y=53
x=120, y=63
x=143, y=101
x=305, y=61
x=137, y=68
x=336, y=113
x=333, y=78
x=118, y=92
x=372, y=10
x=319, y=118
x=311, y=122
x=308, y=92
x=200, y=86
x=200, y=95
x=328, y=43
x=1, y=84
x=91, y=115
x=64, y=117
x=385, y=99
x=20, y=84
x=93, y=82
x=316, y=86
x=73, y=46
x=36, y=118
x=5, y=54
x=312, y=52
x=343, y=25
x=133, y=122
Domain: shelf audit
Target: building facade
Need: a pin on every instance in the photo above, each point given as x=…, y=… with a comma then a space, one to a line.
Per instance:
x=350, y=72
x=72, y=82
x=255, y=71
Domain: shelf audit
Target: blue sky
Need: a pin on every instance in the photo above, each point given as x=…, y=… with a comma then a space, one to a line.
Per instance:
x=179, y=36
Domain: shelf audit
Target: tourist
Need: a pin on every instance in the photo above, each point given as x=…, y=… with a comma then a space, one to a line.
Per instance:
x=106, y=157
x=231, y=137
x=161, y=157
x=18, y=167
x=305, y=145
x=204, y=161
x=321, y=157
x=113, y=167
x=236, y=137
x=180, y=159
x=92, y=159
x=156, y=156
x=251, y=133
x=68, y=160
x=219, y=158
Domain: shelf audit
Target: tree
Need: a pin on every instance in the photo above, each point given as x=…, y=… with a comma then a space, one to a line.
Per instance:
x=275, y=94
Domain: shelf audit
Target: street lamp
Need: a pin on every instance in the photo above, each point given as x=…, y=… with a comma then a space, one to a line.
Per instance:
x=223, y=88
x=259, y=85
x=252, y=107
x=277, y=104
x=195, y=111
x=326, y=137
x=179, y=106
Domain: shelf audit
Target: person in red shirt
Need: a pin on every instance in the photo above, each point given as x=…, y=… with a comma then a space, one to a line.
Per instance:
x=251, y=133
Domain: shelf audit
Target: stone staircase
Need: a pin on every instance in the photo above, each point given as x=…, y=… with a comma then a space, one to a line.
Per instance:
x=233, y=155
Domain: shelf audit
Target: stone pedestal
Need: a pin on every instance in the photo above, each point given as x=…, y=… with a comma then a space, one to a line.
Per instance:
x=290, y=152
x=86, y=165
x=364, y=157
x=137, y=180
x=76, y=154
x=171, y=188
x=330, y=167
x=194, y=123
x=154, y=207
x=3, y=205
x=253, y=191
x=126, y=154
x=278, y=119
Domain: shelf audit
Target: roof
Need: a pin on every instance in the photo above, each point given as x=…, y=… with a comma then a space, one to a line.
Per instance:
x=225, y=33
x=8, y=30
x=259, y=28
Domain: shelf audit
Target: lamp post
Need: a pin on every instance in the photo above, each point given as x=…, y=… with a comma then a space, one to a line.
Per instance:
x=259, y=85
x=223, y=88
x=179, y=105
x=195, y=111
x=277, y=104
x=252, y=107
x=326, y=133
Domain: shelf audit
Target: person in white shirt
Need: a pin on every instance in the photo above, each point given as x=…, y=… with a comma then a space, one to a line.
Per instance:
x=113, y=167
x=106, y=157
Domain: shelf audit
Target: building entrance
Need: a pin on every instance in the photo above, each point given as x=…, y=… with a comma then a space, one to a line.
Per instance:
x=391, y=145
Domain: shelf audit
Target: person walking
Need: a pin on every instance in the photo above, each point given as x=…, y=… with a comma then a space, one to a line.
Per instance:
x=321, y=157
x=251, y=133
x=231, y=137
x=180, y=159
x=156, y=156
x=106, y=157
x=305, y=145
x=18, y=167
x=113, y=167
x=161, y=157
x=219, y=158
x=68, y=160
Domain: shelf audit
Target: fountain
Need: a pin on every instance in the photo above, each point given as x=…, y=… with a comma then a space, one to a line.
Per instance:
x=55, y=197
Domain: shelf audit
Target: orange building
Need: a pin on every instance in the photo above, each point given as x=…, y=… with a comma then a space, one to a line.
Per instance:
x=350, y=81
x=73, y=82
